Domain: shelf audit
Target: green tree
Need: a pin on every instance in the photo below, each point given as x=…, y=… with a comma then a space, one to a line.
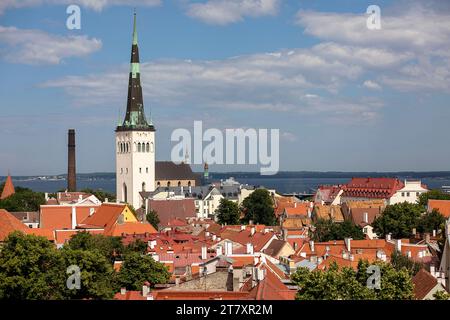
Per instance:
x=432, y=194
x=137, y=269
x=433, y=220
x=258, y=207
x=153, y=218
x=30, y=268
x=399, y=261
x=327, y=230
x=138, y=246
x=97, y=274
x=441, y=295
x=109, y=247
x=228, y=212
x=348, y=284
x=398, y=219
x=23, y=199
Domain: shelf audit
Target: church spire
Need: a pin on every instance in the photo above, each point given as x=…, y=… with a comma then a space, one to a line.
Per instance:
x=135, y=116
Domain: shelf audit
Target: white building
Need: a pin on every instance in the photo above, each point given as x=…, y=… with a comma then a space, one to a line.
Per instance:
x=135, y=141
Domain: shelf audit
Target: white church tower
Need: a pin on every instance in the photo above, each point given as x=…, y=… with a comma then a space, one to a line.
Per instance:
x=135, y=141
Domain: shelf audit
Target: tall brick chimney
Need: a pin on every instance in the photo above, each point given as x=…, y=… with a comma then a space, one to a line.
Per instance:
x=71, y=171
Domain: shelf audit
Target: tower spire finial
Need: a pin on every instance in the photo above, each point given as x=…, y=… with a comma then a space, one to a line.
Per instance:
x=135, y=40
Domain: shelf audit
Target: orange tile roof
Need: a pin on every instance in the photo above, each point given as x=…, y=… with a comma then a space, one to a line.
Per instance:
x=258, y=239
x=129, y=295
x=62, y=236
x=9, y=223
x=106, y=215
x=199, y=295
x=378, y=188
x=8, y=189
x=60, y=216
x=443, y=206
x=46, y=233
x=298, y=209
x=130, y=228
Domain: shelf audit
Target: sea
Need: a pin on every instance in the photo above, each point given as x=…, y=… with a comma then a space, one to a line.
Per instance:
x=296, y=183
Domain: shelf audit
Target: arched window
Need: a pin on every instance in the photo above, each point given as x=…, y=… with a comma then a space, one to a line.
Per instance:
x=158, y=184
x=152, y=148
x=143, y=186
x=189, y=184
x=146, y=170
x=148, y=147
x=124, y=192
x=127, y=147
x=118, y=147
x=139, y=147
x=179, y=183
x=168, y=183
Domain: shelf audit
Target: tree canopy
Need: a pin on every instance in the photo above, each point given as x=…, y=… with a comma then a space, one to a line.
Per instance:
x=22, y=200
x=258, y=207
x=137, y=269
x=432, y=194
x=347, y=284
x=398, y=219
x=228, y=212
x=327, y=230
x=33, y=268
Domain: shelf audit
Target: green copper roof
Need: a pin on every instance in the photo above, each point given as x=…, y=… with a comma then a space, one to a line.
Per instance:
x=135, y=39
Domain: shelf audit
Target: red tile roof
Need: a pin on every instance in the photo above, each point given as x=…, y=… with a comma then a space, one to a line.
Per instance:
x=424, y=282
x=379, y=188
x=130, y=228
x=129, y=295
x=9, y=223
x=8, y=189
x=168, y=210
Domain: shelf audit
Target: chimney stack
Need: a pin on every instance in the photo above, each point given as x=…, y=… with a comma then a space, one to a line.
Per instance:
x=71, y=169
x=204, y=252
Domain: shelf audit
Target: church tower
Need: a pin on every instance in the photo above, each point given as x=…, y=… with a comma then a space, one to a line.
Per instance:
x=135, y=140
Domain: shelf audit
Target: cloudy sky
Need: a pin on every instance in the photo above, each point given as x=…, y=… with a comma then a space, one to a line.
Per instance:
x=344, y=97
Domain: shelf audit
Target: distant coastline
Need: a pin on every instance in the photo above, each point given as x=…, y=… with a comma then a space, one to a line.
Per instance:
x=284, y=182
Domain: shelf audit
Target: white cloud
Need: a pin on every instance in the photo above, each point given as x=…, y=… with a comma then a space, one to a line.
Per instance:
x=37, y=47
x=413, y=46
x=369, y=84
x=223, y=12
x=97, y=5
x=261, y=82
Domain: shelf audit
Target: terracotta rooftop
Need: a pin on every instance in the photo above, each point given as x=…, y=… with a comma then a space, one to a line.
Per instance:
x=8, y=189
x=443, y=206
x=9, y=223
x=378, y=188
x=168, y=210
x=423, y=283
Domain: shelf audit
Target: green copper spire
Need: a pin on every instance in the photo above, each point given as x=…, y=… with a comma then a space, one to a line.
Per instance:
x=135, y=117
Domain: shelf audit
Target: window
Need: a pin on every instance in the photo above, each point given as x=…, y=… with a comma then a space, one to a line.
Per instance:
x=189, y=184
x=139, y=147
x=179, y=183
x=140, y=170
x=407, y=194
x=417, y=193
x=148, y=147
x=146, y=170
x=152, y=148
x=143, y=186
x=126, y=170
x=365, y=230
x=403, y=194
x=121, y=170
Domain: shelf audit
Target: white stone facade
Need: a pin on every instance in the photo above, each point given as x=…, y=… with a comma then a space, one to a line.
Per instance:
x=135, y=165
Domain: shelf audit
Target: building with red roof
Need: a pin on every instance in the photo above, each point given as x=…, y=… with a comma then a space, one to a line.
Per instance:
x=8, y=224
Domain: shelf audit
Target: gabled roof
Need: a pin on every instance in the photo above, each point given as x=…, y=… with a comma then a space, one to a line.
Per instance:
x=60, y=216
x=105, y=216
x=424, y=282
x=9, y=223
x=328, y=212
x=168, y=170
x=168, y=210
x=8, y=189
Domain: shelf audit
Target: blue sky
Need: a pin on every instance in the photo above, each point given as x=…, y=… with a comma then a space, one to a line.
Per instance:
x=344, y=97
